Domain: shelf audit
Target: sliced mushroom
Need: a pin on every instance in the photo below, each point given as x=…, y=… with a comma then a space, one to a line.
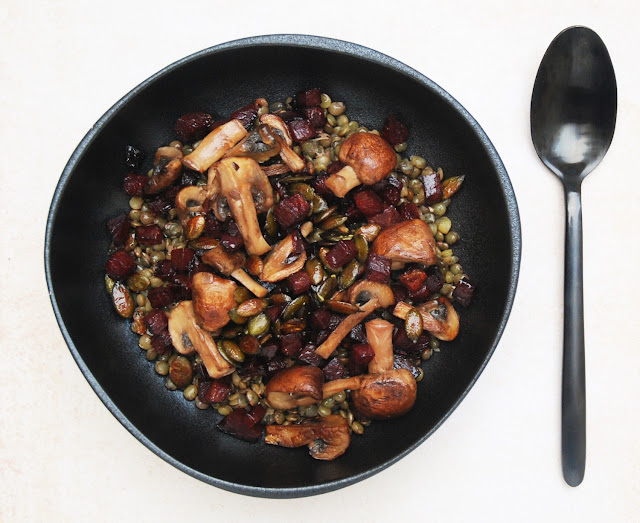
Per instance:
x=168, y=153
x=167, y=167
x=327, y=438
x=247, y=191
x=275, y=169
x=279, y=263
x=191, y=198
x=294, y=387
x=368, y=158
x=213, y=299
x=410, y=241
x=215, y=145
x=438, y=317
x=253, y=146
x=187, y=336
x=282, y=136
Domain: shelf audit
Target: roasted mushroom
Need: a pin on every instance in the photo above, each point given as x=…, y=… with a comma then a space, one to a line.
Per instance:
x=294, y=387
x=282, y=262
x=167, y=166
x=327, y=438
x=187, y=336
x=409, y=241
x=282, y=136
x=191, y=198
x=260, y=145
x=368, y=158
x=215, y=145
x=438, y=317
x=213, y=299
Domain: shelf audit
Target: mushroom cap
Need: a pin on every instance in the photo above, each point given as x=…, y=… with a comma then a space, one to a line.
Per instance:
x=410, y=241
x=237, y=174
x=277, y=124
x=164, y=174
x=213, y=299
x=369, y=155
x=440, y=318
x=221, y=260
x=365, y=290
x=295, y=386
x=191, y=198
x=276, y=267
x=386, y=394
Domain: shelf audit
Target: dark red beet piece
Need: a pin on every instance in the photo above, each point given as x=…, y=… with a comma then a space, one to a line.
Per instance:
x=358, y=333
x=432, y=188
x=402, y=342
x=251, y=369
x=368, y=202
x=191, y=127
x=156, y=321
x=149, y=235
x=335, y=370
x=308, y=355
x=289, y=116
x=341, y=253
x=274, y=312
x=435, y=279
x=160, y=297
x=246, y=115
x=413, y=279
x=301, y=130
x=334, y=320
x=353, y=213
x=119, y=265
x=198, y=265
x=290, y=344
x=291, y=210
x=118, y=228
x=298, y=245
x=134, y=184
x=164, y=270
x=215, y=391
x=391, y=191
x=161, y=342
x=299, y=282
x=409, y=211
x=390, y=216
x=400, y=362
x=268, y=351
x=377, y=268
x=422, y=294
x=335, y=167
x=133, y=157
x=231, y=243
x=362, y=354
x=315, y=115
x=399, y=293
x=463, y=293
x=257, y=413
x=241, y=425
x=309, y=98
x=275, y=365
x=181, y=259
x=320, y=186
x=181, y=287
x=394, y=131
x=320, y=319
x=321, y=336
x=212, y=226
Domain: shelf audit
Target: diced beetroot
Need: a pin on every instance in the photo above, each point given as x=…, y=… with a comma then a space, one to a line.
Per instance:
x=335, y=370
x=377, y=268
x=134, y=184
x=400, y=362
x=353, y=213
x=402, y=342
x=191, y=127
x=335, y=167
x=309, y=98
x=301, y=130
x=409, y=211
x=118, y=228
x=368, y=202
x=212, y=226
x=394, y=131
x=257, y=413
x=164, y=270
x=215, y=391
x=197, y=265
x=240, y=425
x=341, y=253
x=246, y=115
x=133, y=157
x=160, y=297
x=391, y=191
x=290, y=344
x=231, y=227
x=291, y=210
x=181, y=287
x=299, y=282
x=422, y=294
x=119, y=265
x=413, y=279
x=315, y=115
x=334, y=320
x=274, y=312
x=181, y=259
x=149, y=235
x=298, y=244
x=156, y=321
x=252, y=369
x=269, y=350
x=162, y=203
x=319, y=319
x=435, y=279
x=463, y=293
x=275, y=365
x=390, y=216
x=308, y=355
x=282, y=190
x=359, y=333
x=201, y=371
x=161, y=342
x=399, y=293
x=320, y=186
x=321, y=336
x=432, y=188
x=289, y=116
x=362, y=354
x=231, y=243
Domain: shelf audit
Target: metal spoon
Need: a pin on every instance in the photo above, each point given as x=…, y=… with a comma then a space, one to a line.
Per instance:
x=573, y=116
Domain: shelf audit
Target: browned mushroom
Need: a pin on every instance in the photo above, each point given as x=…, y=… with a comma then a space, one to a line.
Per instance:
x=438, y=317
x=191, y=198
x=187, y=336
x=259, y=145
x=369, y=295
x=368, y=158
x=294, y=387
x=167, y=166
x=279, y=263
x=212, y=299
x=410, y=241
x=246, y=190
x=327, y=438
x=282, y=136
x=215, y=145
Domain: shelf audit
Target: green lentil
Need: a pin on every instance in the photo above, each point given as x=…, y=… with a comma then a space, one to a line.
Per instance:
x=144, y=342
x=190, y=393
x=324, y=411
x=136, y=203
x=452, y=237
x=439, y=209
x=224, y=410
x=444, y=224
x=337, y=108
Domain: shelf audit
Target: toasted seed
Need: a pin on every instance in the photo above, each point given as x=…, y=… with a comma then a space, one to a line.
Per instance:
x=293, y=325
x=236, y=318
x=280, y=299
x=413, y=324
x=251, y=307
x=254, y=265
x=333, y=222
x=357, y=427
x=324, y=214
x=369, y=231
x=271, y=226
x=349, y=274
x=109, y=283
x=181, y=371
x=451, y=185
x=304, y=189
x=195, y=227
x=336, y=236
x=314, y=269
x=233, y=351
x=362, y=246
x=319, y=204
x=327, y=288
x=204, y=243
x=295, y=307
x=342, y=307
x=258, y=325
x=223, y=352
x=122, y=300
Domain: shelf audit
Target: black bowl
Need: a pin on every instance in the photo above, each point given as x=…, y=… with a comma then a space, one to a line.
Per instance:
x=219, y=80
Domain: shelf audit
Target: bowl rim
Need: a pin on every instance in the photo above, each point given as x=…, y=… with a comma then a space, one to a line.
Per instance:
x=299, y=41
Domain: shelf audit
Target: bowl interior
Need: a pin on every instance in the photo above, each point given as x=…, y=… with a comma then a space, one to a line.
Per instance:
x=218, y=81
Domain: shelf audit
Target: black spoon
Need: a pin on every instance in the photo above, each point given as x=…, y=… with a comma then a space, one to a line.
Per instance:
x=573, y=116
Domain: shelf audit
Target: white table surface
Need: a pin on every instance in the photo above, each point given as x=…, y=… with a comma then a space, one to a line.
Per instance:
x=64, y=457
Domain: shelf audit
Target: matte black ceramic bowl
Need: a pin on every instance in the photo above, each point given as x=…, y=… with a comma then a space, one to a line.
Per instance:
x=219, y=80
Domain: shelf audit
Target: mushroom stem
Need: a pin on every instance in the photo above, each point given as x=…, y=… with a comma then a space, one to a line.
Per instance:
x=343, y=181
x=444, y=325
x=241, y=205
x=215, y=145
x=333, y=387
x=242, y=277
x=380, y=337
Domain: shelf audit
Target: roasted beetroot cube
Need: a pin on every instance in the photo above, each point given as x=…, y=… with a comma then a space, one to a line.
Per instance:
x=309, y=98
x=231, y=227
x=309, y=355
x=161, y=342
x=320, y=186
x=464, y=292
x=315, y=115
x=133, y=157
x=341, y=253
x=391, y=191
x=353, y=213
x=362, y=354
x=156, y=321
x=252, y=368
x=409, y=211
x=320, y=319
x=401, y=362
x=291, y=210
x=181, y=287
x=377, y=268
x=334, y=320
x=335, y=370
x=160, y=297
x=320, y=337
x=394, y=131
x=399, y=293
x=231, y=243
x=191, y=127
x=432, y=188
x=246, y=115
x=402, y=342
x=390, y=216
x=274, y=312
x=368, y=202
x=161, y=204
x=269, y=350
x=212, y=226
x=413, y=279
x=215, y=391
x=289, y=116
x=358, y=333
x=118, y=228
x=257, y=413
x=275, y=365
x=197, y=265
x=301, y=130
x=181, y=259
x=335, y=167
x=299, y=282
x=290, y=344
x=298, y=245
x=149, y=235
x=134, y=184
x=435, y=279
x=240, y=425
x=422, y=294
x=164, y=270
x=119, y=265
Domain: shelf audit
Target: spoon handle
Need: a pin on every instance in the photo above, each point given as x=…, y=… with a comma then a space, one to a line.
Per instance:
x=573, y=382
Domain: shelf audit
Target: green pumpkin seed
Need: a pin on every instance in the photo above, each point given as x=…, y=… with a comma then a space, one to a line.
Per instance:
x=336, y=236
x=349, y=274
x=122, y=300
x=413, y=324
x=319, y=204
x=233, y=351
x=251, y=307
x=298, y=178
x=236, y=318
x=294, y=325
x=109, y=283
x=362, y=246
x=241, y=294
x=314, y=269
x=271, y=226
x=342, y=307
x=324, y=215
x=333, y=222
x=259, y=325
x=328, y=287
x=295, y=307
x=304, y=189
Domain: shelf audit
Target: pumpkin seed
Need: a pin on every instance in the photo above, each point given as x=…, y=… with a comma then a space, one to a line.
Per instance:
x=362, y=246
x=233, y=351
x=295, y=307
x=304, y=189
x=122, y=300
x=328, y=287
x=451, y=185
x=314, y=269
x=258, y=325
x=293, y=325
x=333, y=222
x=349, y=274
x=195, y=227
x=251, y=307
x=342, y=307
x=319, y=204
x=241, y=294
x=413, y=324
x=236, y=318
x=271, y=226
x=323, y=215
